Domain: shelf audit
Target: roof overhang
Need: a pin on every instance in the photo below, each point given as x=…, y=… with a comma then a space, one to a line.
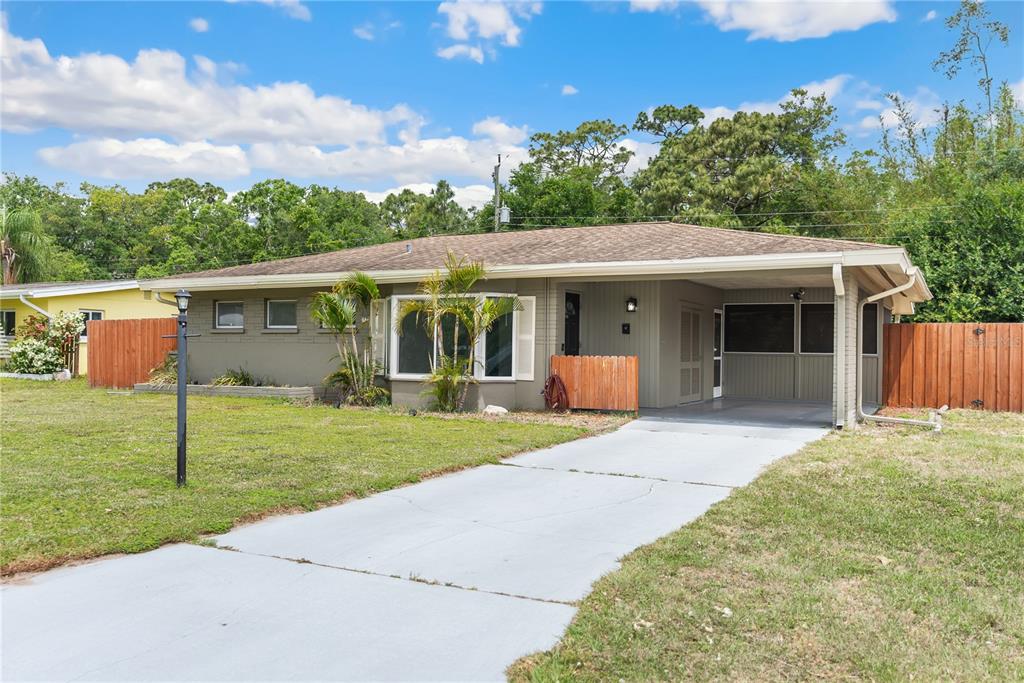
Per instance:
x=893, y=260
x=51, y=291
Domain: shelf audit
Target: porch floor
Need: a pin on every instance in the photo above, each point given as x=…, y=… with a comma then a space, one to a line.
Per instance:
x=753, y=412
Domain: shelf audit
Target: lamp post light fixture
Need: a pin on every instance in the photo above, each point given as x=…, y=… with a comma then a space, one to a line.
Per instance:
x=631, y=305
x=182, y=298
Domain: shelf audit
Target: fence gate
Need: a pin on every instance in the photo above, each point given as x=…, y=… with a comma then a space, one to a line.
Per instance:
x=121, y=353
x=962, y=365
x=600, y=382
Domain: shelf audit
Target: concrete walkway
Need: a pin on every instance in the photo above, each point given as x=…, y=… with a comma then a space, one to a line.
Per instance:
x=450, y=579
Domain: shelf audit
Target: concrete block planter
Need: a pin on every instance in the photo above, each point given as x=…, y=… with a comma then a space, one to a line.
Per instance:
x=48, y=377
x=296, y=393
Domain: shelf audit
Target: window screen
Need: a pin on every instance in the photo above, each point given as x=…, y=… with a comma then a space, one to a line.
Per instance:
x=759, y=328
x=229, y=314
x=281, y=314
x=415, y=348
x=869, y=328
x=449, y=339
x=498, y=348
x=816, y=328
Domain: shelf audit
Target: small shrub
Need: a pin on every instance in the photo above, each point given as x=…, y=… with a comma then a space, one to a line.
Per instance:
x=34, y=357
x=165, y=374
x=240, y=378
x=355, y=379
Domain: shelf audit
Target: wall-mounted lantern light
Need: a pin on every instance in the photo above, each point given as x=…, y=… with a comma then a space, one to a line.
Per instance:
x=631, y=305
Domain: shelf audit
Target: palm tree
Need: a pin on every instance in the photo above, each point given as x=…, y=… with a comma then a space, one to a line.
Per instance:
x=23, y=246
x=448, y=296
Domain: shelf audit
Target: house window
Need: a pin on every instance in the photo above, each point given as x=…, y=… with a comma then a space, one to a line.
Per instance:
x=229, y=315
x=869, y=330
x=415, y=348
x=816, y=321
x=499, y=343
x=88, y=315
x=759, y=328
x=414, y=351
x=281, y=314
x=7, y=323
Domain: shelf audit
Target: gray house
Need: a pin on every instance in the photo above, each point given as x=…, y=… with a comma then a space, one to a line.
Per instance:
x=709, y=312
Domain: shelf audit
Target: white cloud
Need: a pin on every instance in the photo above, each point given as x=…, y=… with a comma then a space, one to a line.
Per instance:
x=923, y=106
x=105, y=95
x=869, y=105
x=794, y=19
x=930, y=16
x=461, y=50
x=293, y=8
x=830, y=88
x=488, y=21
x=368, y=31
x=494, y=128
x=643, y=152
x=467, y=196
x=148, y=158
x=413, y=161
x=365, y=32
x=653, y=5
x=569, y=89
x=1018, y=91
x=199, y=25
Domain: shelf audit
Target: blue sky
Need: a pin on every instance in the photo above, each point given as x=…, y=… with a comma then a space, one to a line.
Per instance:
x=375, y=96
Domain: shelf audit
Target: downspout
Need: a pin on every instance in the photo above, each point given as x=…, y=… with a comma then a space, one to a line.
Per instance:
x=22, y=299
x=839, y=357
x=934, y=417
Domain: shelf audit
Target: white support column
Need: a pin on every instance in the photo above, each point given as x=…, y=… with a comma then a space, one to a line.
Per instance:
x=844, y=366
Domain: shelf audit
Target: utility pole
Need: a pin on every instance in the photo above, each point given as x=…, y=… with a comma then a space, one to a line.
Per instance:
x=497, y=196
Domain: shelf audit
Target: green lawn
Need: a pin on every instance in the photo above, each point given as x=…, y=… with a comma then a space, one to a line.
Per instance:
x=887, y=554
x=85, y=472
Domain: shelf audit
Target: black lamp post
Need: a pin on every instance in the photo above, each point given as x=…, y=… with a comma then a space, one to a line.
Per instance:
x=182, y=297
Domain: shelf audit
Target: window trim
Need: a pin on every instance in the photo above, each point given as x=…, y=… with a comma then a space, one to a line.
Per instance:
x=480, y=350
x=216, y=315
x=796, y=328
x=266, y=314
x=84, y=337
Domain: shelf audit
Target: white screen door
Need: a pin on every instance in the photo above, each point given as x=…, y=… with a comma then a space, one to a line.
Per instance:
x=690, y=352
x=717, y=355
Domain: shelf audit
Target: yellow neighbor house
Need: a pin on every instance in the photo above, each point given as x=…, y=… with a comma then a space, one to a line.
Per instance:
x=95, y=300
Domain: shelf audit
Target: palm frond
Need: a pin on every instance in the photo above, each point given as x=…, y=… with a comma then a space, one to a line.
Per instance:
x=333, y=311
x=360, y=287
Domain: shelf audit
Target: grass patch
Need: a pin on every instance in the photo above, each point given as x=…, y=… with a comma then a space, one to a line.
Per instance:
x=86, y=472
x=886, y=554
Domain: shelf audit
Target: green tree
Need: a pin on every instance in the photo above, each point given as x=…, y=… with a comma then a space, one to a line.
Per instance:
x=977, y=33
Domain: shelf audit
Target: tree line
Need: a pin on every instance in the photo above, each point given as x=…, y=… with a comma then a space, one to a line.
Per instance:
x=952, y=194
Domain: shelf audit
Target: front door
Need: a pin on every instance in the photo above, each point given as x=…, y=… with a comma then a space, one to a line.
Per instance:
x=691, y=370
x=571, y=347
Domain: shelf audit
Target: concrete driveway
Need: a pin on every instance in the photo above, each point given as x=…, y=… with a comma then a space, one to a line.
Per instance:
x=450, y=579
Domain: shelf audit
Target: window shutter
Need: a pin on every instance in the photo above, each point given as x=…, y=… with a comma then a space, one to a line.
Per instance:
x=526, y=326
x=379, y=332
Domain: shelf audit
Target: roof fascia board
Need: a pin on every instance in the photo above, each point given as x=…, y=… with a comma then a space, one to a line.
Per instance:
x=71, y=290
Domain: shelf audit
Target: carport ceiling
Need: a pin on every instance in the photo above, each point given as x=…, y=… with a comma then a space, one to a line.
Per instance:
x=758, y=279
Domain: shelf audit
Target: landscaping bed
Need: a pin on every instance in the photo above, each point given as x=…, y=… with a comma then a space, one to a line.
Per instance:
x=297, y=393
x=889, y=553
x=88, y=471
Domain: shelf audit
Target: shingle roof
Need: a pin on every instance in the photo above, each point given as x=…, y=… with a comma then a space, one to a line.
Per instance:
x=592, y=244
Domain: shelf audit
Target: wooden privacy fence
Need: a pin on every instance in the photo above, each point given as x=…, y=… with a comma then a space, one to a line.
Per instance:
x=962, y=365
x=121, y=353
x=600, y=382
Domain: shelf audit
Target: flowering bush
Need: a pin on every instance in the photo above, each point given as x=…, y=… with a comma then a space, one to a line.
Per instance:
x=42, y=343
x=34, y=357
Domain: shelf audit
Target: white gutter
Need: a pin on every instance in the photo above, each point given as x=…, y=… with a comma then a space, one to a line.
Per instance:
x=22, y=299
x=70, y=290
x=934, y=417
x=867, y=257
